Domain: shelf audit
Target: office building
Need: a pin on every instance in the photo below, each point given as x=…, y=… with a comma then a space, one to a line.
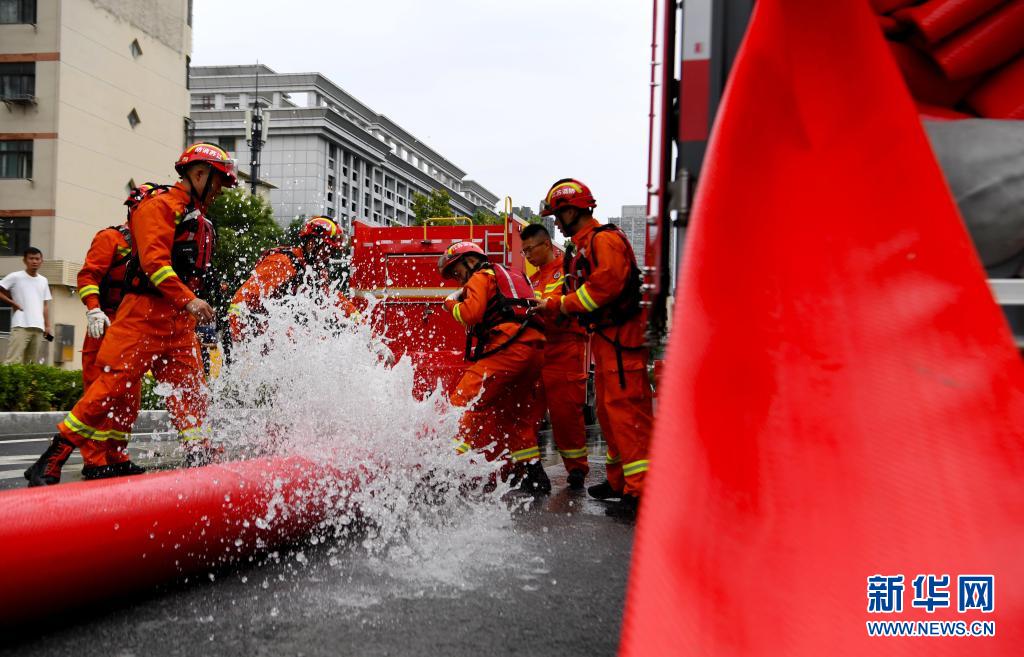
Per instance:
x=326, y=153
x=95, y=98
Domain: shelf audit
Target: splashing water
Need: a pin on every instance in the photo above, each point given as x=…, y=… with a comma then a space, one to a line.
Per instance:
x=316, y=384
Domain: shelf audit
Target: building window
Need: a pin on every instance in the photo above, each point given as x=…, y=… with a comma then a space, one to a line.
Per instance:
x=16, y=159
x=330, y=212
x=135, y=49
x=18, y=80
x=188, y=72
x=227, y=143
x=15, y=232
x=17, y=11
x=205, y=102
x=330, y=182
x=133, y=118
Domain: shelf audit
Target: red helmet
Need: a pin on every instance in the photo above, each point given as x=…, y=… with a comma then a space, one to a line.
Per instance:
x=455, y=253
x=324, y=229
x=567, y=192
x=138, y=194
x=211, y=154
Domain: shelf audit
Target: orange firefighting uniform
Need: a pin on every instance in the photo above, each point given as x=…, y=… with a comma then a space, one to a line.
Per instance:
x=563, y=386
x=272, y=277
x=625, y=412
x=152, y=332
x=502, y=423
x=108, y=247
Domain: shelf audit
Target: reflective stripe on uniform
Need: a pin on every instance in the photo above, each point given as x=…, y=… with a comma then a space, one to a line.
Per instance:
x=86, y=290
x=610, y=460
x=234, y=309
x=79, y=428
x=585, y=298
x=123, y=251
x=635, y=467
x=551, y=287
x=162, y=274
x=457, y=314
x=461, y=447
x=525, y=454
x=573, y=453
x=195, y=433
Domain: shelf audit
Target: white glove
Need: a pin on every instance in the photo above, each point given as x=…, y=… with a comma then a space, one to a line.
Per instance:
x=455, y=296
x=98, y=322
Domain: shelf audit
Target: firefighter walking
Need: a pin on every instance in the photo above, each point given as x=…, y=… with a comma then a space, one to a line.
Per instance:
x=603, y=292
x=172, y=246
x=563, y=385
x=505, y=350
x=101, y=282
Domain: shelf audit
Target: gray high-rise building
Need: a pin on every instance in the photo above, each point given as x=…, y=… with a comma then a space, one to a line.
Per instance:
x=326, y=153
x=633, y=223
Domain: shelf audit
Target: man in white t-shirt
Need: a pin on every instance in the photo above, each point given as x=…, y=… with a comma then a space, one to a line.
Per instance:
x=28, y=293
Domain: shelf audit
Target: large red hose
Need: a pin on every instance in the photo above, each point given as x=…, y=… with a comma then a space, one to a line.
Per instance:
x=73, y=543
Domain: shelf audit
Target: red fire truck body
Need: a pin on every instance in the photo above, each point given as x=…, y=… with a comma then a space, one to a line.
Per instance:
x=398, y=267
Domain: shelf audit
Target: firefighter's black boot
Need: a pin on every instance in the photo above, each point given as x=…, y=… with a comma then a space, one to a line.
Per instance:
x=625, y=508
x=123, y=469
x=46, y=470
x=603, y=491
x=575, y=479
x=535, y=481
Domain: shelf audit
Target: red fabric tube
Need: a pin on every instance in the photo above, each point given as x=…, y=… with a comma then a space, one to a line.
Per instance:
x=1001, y=96
x=986, y=44
x=74, y=543
x=925, y=80
x=937, y=19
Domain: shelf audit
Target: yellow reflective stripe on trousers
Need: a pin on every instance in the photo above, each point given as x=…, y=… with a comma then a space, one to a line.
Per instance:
x=610, y=460
x=162, y=274
x=525, y=454
x=573, y=453
x=635, y=467
x=86, y=290
x=457, y=314
x=461, y=447
x=586, y=299
x=85, y=431
x=234, y=309
x=195, y=433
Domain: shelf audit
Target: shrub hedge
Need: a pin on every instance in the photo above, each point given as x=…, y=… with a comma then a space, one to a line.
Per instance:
x=45, y=388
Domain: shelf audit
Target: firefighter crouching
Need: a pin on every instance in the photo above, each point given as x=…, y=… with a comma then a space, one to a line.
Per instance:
x=280, y=271
x=563, y=385
x=172, y=246
x=504, y=346
x=603, y=292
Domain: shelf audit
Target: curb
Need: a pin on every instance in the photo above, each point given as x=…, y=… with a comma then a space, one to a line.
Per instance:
x=21, y=424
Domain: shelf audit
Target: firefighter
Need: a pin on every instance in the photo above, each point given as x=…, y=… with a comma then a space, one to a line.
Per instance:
x=563, y=386
x=602, y=290
x=280, y=271
x=172, y=245
x=504, y=348
x=101, y=282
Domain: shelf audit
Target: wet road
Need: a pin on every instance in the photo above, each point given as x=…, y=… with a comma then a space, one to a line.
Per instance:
x=547, y=580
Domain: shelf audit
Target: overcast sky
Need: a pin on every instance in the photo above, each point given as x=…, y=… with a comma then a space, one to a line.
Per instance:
x=518, y=93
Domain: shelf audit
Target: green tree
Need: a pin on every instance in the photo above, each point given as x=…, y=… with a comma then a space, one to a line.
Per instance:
x=245, y=228
x=438, y=204
x=484, y=218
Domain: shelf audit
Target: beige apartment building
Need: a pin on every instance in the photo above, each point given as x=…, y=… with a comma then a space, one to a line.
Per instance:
x=95, y=97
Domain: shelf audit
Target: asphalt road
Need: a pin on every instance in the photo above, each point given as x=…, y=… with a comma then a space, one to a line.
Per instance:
x=546, y=580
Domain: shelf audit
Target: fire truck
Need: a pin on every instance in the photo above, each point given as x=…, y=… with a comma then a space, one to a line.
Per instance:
x=394, y=272
x=963, y=63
